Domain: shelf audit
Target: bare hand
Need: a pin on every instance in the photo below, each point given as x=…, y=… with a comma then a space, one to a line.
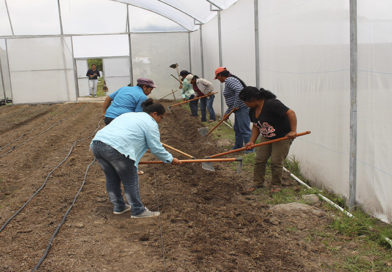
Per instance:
x=292, y=134
x=249, y=145
x=103, y=115
x=176, y=161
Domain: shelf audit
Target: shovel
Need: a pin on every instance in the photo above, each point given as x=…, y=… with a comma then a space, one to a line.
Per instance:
x=190, y=100
x=175, y=66
x=178, y=151
x=257, y=145
x=204, y=130
x=205, y=166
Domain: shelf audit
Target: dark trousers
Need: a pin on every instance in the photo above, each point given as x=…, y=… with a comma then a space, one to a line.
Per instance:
x=206, y=105
x=193, y=105
x=107, y=120
x=119, y=169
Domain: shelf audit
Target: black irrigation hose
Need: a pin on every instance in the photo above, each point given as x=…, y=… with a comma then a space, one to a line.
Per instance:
x=39, y=189
x=63, y=221
x=34, y=128
x=35, y=136
x=47, y=178
x=162, y=242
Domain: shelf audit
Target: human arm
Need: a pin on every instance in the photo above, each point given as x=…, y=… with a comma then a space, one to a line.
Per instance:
x=293, y=124
x=106, y=105
x=154, y=144
x=253, y=137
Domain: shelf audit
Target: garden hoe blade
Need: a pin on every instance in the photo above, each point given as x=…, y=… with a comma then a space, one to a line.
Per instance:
x=208, y=166
x=203, y=131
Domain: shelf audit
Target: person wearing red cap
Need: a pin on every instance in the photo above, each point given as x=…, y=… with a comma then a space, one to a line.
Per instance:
x=233, y=87
x=127, y=99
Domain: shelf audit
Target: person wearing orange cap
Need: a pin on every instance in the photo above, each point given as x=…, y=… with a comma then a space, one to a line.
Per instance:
x=233, y=86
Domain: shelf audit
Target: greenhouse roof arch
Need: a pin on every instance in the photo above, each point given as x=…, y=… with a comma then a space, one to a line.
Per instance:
x=188, y=14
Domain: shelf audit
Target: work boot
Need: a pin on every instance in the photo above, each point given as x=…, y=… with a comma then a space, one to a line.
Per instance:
x=146, y=213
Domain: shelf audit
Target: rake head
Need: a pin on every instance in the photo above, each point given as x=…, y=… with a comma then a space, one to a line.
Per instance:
x=174, y=66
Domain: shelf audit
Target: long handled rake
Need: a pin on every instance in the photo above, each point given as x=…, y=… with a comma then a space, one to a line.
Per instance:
x=206, y=163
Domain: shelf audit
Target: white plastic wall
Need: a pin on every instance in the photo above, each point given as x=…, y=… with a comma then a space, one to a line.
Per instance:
x=374, y=185
x=152, y=54
x=82, y=68
x=211, y=57
x=116, y=71
x=238, y=40
x=41, y=70
x=195, y=53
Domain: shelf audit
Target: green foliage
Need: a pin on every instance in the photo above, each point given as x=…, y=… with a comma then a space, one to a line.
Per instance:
x=97, y=62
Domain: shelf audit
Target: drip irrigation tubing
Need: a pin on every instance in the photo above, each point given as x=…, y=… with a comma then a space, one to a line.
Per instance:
x=389, y=241
x=47, y=178
x=57, y=230
x=31, y=130
x=35, y=136
x=162, y=242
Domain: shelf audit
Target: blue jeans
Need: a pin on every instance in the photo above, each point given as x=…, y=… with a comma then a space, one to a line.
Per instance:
x=206, y=103
x=193, y=106
x=241, y=127
x=117, y=169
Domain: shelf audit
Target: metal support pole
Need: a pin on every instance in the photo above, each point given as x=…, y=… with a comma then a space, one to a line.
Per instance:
x=9, y=70
x=63, y=50
x=75, y=68
x=201, y=51
x=190, y=52
x=2, y=81
x=220, y=59
x=9, y=17
x=130, y=46
x=257, y=43
x=353, y=105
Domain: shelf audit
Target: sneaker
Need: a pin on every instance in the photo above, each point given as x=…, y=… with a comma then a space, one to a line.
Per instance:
x=146, y=213
x=124, y=210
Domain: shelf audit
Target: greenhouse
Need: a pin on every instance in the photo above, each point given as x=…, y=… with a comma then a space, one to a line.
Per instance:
x=328, y=61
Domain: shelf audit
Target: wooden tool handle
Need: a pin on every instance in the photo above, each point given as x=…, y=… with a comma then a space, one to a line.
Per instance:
x=193, y=99
x=221, y=121
x=257, y=145
x=194, y=161
x=178, y=151
x=176, y=78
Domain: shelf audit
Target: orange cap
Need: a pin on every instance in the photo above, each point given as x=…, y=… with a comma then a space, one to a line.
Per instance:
x=219, y=70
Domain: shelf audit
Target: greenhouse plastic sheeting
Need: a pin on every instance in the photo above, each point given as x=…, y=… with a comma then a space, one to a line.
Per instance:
x=41, y=70
x=81, y=68
x=374, y=185
x=196, y=53
x=304, y=47
x=116, y=73
x=152, y=54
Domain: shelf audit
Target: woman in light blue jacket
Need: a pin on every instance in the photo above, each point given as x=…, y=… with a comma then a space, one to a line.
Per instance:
x=118, y=148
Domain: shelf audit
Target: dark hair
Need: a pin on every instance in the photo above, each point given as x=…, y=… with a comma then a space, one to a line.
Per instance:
x=226, y=73
x=195, y=77
x=149, y=107
x=130, y=84
x=250, y=93
x=184, y=73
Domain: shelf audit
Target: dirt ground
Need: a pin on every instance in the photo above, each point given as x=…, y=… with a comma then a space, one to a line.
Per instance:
x=208, y=223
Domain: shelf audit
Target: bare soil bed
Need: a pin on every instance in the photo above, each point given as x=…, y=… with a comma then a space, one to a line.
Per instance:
x=209, y=221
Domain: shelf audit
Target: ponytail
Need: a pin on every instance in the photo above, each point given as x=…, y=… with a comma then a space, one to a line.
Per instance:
x=250, y=93
x=149, y=107
x=226, y=73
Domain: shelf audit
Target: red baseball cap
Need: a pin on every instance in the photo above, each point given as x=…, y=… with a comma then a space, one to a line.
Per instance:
x=219, y=70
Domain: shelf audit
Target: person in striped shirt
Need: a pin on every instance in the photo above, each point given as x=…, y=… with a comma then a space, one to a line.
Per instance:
x=233, y=87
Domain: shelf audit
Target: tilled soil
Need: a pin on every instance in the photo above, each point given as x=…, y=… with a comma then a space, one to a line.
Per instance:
x=208, y=220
